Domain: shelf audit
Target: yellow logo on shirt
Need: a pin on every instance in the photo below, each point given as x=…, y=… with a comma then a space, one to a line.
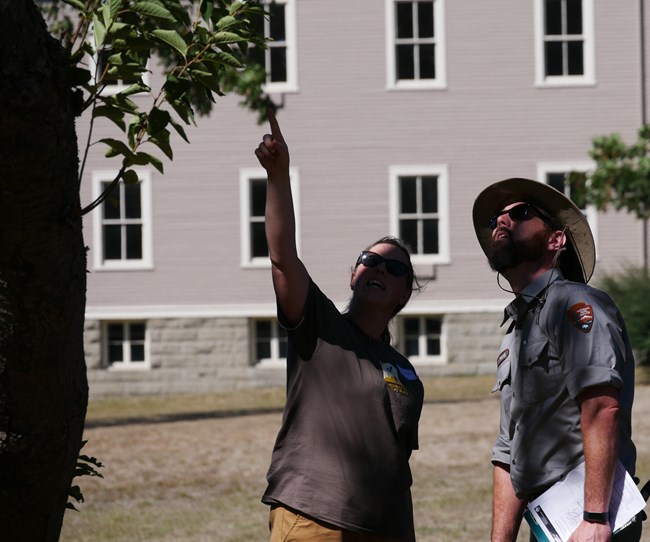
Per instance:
x=392, y=379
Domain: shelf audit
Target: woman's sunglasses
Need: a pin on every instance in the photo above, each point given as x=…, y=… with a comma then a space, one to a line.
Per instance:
x=372, y=259
x=521, y=212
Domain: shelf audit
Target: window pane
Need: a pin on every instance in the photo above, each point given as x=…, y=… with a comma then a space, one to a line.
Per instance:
x=427, y=61
x=553, y=17
x=112, y=242
x=576, y=66
x=405, y=62
x=263, y=350
x=111, y=205
x=259, y=248
x=411, y=326
x=430, y=236
x=553, y=58
x=433, y=326
x=115, y=353
x=132, y=201
x=258, y=197
x=263, y=329
x=256, y=54
x=556, y=180
x=433, y=347
x=425, y=19
x=408, y=195
x=411, y=347
x=574, y=16
x=134, y=242
x=137, y=352
x=115, y=332
x=579, y=199
x=136, y=332
x=430, y=194
x=278, y=64
x=404, y=19
x=408, y=232
x=277, y=22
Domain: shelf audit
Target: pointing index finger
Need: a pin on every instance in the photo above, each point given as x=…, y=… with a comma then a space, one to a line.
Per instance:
x=275, y=127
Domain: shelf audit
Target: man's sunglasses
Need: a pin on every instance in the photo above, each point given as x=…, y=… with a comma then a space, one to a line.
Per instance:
x=521, y=212
x=372, y=259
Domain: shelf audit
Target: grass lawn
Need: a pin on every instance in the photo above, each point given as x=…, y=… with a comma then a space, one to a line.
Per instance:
x=192, y=468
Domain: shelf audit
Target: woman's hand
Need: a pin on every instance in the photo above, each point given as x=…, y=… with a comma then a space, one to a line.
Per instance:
x=273, y=152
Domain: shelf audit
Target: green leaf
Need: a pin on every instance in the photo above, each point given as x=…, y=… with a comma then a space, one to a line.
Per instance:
x=144, y=159
x=79, y=76
x=116, y=147
x=183, y=110
x=115, y=6
x=225, y=22
x=130, y=177
x=135, y=88
x=179, y=129
x=229, y=59
x=227, y=37
x=108, y=16
x=235, y=6
x=158, y=120
x=99, y=32
x=207, y=8
x=171, y=38
x=110, y=113
x=76, y=4
x=161, y=140
x=153, y=9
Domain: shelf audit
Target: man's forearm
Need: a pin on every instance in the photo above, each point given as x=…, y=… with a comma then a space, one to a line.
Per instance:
x=599, y=423
x=507, y=508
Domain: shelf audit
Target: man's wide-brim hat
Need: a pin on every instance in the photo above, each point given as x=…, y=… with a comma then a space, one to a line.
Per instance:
x=579, y=259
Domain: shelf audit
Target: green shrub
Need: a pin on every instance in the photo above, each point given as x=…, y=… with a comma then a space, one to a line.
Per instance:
x=630, y=290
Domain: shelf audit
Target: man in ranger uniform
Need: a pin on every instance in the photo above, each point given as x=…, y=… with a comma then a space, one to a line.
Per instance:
x=565, y=369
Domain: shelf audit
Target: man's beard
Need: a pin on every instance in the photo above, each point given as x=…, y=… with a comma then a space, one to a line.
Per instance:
x=506, y=253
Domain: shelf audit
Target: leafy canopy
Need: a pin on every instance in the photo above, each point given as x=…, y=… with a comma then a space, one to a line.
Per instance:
x=201, y=44
x=621, y=177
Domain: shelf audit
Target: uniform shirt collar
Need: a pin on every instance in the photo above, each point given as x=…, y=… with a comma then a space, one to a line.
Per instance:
x=530, y=296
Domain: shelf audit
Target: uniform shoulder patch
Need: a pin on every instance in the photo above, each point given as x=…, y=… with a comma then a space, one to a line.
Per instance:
x=503, y=356
x=581, y=316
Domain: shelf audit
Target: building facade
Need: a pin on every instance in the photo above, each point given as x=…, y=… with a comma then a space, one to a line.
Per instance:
x=397, y=113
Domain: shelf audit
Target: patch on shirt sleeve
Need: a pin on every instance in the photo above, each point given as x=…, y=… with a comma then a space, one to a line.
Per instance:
x=581, y=316
x=503, y=356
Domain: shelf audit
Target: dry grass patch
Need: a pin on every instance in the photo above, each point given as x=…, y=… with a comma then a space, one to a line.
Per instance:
x=192, y=468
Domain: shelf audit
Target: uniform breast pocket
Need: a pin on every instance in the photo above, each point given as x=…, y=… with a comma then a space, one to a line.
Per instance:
x=540, y=374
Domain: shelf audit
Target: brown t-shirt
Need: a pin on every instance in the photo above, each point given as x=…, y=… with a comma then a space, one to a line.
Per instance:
x=350, y=423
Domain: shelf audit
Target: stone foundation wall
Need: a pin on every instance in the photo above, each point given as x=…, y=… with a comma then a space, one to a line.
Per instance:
x=205, y=355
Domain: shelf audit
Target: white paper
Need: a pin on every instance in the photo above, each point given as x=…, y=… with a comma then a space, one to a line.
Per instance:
x=558, y=511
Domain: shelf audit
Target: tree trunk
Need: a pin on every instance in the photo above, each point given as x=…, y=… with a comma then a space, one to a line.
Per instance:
x=43, y=386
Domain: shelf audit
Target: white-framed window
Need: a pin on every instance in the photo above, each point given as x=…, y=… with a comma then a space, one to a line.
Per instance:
x=564, y=42
x=422, y=338
x=122, y=230
x=279, y=59
x=125, y=345
x=269, y=342
x=415, y=44
x=555, y=174
x=252, y=199
x=419, y=211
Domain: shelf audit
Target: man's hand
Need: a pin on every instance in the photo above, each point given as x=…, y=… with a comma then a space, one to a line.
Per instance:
x=592, y=532
x=273, y=152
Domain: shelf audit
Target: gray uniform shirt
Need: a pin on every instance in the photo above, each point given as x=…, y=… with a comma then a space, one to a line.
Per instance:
x=563, y=338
